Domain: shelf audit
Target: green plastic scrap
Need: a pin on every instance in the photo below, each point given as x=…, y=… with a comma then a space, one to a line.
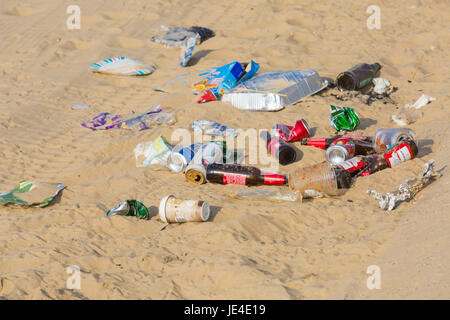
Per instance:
x=32, y=194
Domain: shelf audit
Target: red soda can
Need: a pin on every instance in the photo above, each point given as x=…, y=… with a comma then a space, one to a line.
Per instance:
x=299, y=131
x=340, y=151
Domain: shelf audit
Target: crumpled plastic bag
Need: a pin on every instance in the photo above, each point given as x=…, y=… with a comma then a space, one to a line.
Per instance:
x=411, y=113
x=175, y=37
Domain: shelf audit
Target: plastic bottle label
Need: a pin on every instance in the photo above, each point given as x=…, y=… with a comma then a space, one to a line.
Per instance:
x=398, y=155
x=233, y=178
x=352, y=164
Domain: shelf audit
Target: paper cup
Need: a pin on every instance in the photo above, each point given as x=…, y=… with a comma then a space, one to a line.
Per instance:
x=172, y=209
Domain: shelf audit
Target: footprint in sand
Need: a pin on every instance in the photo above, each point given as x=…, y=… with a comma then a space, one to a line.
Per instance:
x=126, y=43
x=76, y=44
x=22, y=10
x=118, y=15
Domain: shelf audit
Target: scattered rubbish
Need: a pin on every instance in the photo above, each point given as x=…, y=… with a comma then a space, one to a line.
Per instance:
x=407, y=116
x=421, y=102
x=80, y=106
x=195, y=173
x=319, y=180
x=366, y=98
x=407, y=190
x=152, y=152
x=187, y=49
x=267, y=195
x=160, y=90
x=342, y=150
x=243, y=175
x=219, y=80
x=280, y=150
x=411, y=113
x=343, y=118
x=153, y=117
x=176, y=37
x=386, y=138
x=342, y=147
x=31, y=194
x=213, y=128
x=122, y=66
x=358, y=76
x=180, y=157
x=129, y=208
x=172, y=209
x=211, y=152
x=272, y=91
x=417, y=68
x=299, y=131
x=381, y=85
x=389, y=158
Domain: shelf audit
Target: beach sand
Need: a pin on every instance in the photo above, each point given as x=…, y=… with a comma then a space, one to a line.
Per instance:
x=318, y=249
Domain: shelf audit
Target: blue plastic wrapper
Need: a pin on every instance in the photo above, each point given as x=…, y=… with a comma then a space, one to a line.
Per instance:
x=187, y=50
x=213, y=128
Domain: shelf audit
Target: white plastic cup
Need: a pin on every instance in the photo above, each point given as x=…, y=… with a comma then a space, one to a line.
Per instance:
x=172, y=209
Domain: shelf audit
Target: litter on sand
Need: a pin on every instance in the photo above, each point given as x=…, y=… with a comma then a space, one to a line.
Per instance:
x=411, y=113
x=272, y=91
x=31, y=194
x=122, y=66
x=175, y=37
x=149, y=119
x=129, y=208
x=407, y=190
x=213, y=128
x=219, y=80
x=152, y=152
x=187, y=49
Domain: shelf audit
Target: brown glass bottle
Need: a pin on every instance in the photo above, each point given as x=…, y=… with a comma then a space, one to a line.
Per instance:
x=243, y=175
x=358, y=76
x=363, y=144
x=391, y=157
x=283, y=152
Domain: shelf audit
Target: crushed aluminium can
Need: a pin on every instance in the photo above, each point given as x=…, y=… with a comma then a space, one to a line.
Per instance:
x=130, y=208
x=343, y=118
x=297, y=132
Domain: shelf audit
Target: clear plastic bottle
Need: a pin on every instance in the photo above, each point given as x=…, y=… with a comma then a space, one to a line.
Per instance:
x=387, y=138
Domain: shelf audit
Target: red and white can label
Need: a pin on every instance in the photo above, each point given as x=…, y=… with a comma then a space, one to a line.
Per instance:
x=233, y=178
x=398, y=155
x=353, y=164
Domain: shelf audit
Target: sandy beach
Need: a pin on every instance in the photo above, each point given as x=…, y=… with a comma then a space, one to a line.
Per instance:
x=317, y=249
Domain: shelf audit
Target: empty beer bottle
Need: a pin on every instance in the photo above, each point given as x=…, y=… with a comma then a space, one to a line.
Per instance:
x=391, y=157
x=243, y=175
x=324, y=143
x=358, y=76
x=366, y=165
x=363, y=144
x=283, y=152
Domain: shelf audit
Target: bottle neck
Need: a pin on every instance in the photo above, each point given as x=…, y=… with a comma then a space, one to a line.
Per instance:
x=274, y=179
